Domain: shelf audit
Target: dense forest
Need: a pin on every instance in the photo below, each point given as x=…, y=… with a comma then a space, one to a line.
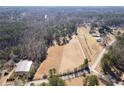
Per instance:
x=27, y=33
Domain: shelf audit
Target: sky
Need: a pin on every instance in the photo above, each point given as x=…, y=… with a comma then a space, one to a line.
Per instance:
x=61, y=2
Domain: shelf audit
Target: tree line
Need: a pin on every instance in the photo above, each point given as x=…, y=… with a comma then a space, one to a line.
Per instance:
x=113, y=62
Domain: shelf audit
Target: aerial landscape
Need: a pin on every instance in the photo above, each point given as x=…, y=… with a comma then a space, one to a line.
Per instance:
x=61, y=46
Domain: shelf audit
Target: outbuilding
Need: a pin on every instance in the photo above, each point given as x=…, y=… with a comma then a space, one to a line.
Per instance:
x=23, y=66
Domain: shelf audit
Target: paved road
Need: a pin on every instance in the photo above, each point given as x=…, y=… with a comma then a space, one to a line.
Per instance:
x=98, y=60
x=92, y=68
x=73, y=75
x=37, y=82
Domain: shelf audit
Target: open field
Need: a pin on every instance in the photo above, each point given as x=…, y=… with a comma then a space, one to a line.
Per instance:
x=62, y=58
x=90, y=47
x=78, y=81
x=67, y=57
x=72, y=56
x=52, y=61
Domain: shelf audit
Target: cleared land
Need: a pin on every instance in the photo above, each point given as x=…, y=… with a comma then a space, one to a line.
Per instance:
x=90, y=47
x=52, y=61
x=75, y=81
x=67, y=57
x=72, y=56
x=62, y=58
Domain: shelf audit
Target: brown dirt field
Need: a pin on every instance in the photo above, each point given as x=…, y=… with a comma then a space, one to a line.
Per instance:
x=75, y=81
x=2, y=80
x=89, y=44
x=67, y=57
x=62, y=58
x=78, y=82
x=52, y=61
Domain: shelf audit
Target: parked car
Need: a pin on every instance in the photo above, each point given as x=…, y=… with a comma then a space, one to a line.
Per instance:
x=98, y=39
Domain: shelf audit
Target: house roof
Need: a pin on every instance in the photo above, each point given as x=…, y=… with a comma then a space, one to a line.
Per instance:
x=23, y=66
